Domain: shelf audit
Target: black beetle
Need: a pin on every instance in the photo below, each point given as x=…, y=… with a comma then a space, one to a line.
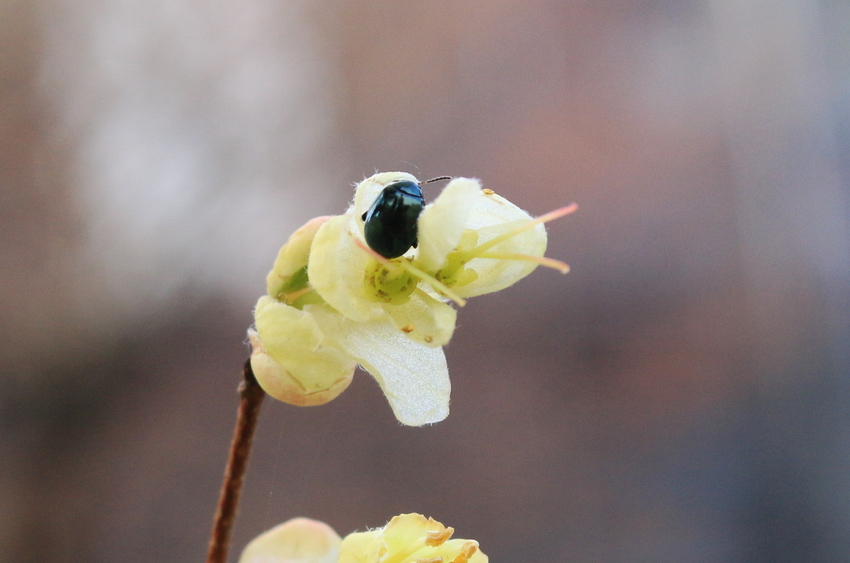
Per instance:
x=391, y=222
x=390, y=227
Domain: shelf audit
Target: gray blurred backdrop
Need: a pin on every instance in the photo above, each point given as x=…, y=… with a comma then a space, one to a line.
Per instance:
x=682, y=395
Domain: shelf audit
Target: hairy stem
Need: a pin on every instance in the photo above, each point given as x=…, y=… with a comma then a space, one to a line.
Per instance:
x=234, y=474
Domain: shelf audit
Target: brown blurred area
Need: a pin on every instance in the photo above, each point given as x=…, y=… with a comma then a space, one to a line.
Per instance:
x=682, y=395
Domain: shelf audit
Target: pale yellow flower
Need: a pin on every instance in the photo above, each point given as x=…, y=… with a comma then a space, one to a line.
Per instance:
x=333, y=302
x=300, y=540
x=304, y=352
x=291, y=356
x=408, y=538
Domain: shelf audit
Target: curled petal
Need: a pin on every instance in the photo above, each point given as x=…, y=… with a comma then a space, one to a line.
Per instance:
x=409, y=538
x=424, y=319
x=362, y=547
x=292, y=257
x=442, y=223
x=414, y=378
x=291, y=358
x=405, y=530
x=338, y=268
x=494, y=216
x=369, y=189
x=300, y=540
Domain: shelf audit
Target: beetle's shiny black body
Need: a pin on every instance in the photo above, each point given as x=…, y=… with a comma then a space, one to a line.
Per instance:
x=390, y=227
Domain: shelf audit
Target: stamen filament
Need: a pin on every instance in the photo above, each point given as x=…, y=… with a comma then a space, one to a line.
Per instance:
x=439, y=537
x=545, y=218
x=466, y=552
x=405, y=265
x=292, y=297
x=393, y=267
x=562, y=267
x=434, y=282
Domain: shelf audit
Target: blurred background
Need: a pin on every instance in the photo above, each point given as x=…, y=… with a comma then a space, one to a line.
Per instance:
x=682, y=395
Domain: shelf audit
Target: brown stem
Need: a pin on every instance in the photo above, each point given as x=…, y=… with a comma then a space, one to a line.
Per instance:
x=246, y=422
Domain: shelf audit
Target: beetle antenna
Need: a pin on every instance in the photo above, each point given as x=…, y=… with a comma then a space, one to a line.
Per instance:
x=437, y=179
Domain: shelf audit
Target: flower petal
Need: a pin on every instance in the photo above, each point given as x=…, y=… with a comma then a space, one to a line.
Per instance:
x=300, y=540
x=424, y=319
x=442, y=222
x=453, y=551
x=414, y=378
x=337, y=270
x=409, y=538
x=362, y=547
x=405, y=530
x=292, y=257
x=493, y=216
x=292, y=360
x=369, y=189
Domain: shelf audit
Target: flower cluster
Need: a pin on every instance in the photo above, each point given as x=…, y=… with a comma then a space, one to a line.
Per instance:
x=408, y=538
x=333, y=302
